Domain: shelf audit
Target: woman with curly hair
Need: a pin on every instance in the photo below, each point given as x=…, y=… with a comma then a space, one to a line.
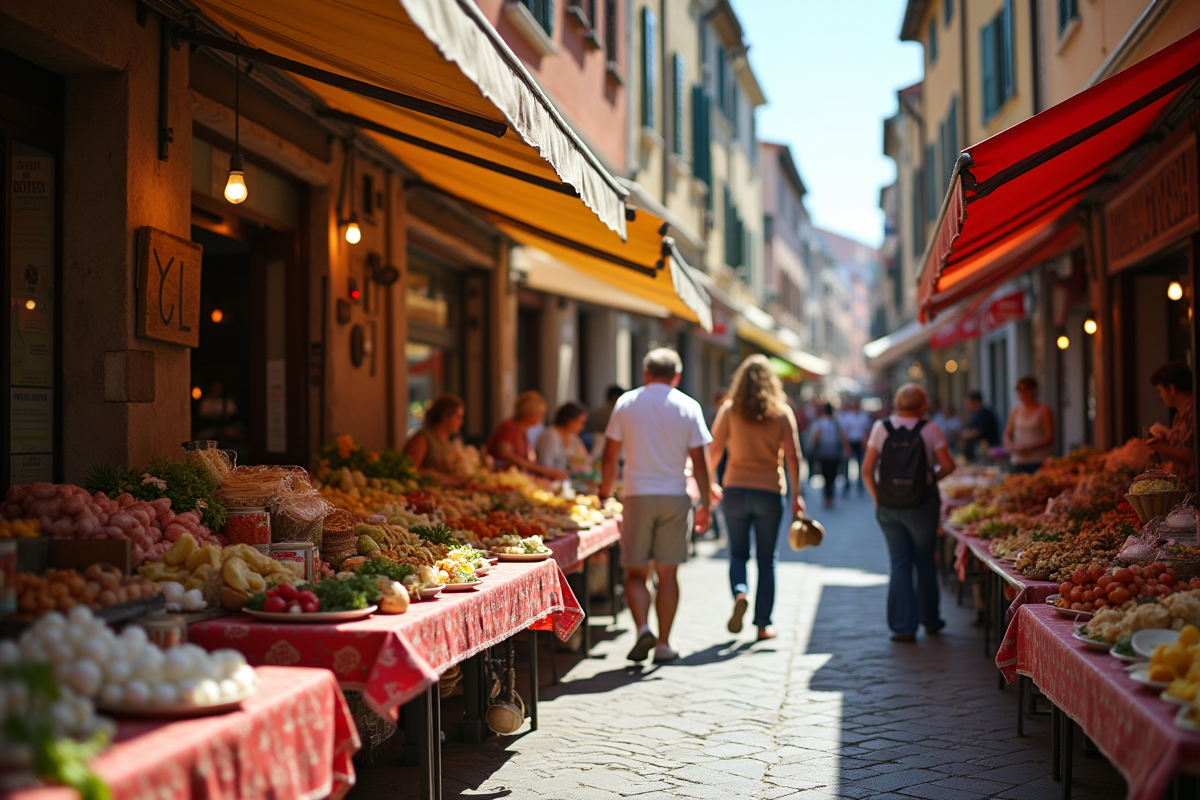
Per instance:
x=755, y=426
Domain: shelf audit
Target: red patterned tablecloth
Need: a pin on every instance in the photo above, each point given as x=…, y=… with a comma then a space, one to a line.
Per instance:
x=1134, y=729
x=1028, y=591
x=572, y=549
x=392, y=658
x=293, y=740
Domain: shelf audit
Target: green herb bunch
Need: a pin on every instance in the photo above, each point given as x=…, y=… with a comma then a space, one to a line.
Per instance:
x=387, y=568
x=188, y=486
x=435, y=534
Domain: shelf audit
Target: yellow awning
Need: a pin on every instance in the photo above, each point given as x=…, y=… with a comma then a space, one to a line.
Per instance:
x=647, y=265
x=543, y=272
x=444, y=52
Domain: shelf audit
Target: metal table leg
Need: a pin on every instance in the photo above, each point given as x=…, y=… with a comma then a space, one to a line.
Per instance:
x=471, y=727
x=532, y=703
x=429, y=743
x=1055, y=743
x=553, y=659
x=435, y=704
x=989, y=609
x=410, y=720
x=1021, y=679
x=1067, y=738
x=586, y=604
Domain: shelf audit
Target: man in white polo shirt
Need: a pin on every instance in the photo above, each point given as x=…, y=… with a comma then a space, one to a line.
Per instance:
x=660, y=428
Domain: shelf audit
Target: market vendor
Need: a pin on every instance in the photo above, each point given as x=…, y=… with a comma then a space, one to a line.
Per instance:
x=509, y=443
x=1176, y=444
x=559, y=446
x=431, y=448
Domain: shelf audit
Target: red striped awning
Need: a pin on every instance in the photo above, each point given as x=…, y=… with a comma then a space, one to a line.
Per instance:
x=1010, y=196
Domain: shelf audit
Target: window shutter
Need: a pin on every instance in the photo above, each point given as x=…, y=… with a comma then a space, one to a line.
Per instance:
x=610, y=29
x=677, y=68
x=987, y=57
x=931, y=185
x=931, y=45
x=943, y=149
x=1008, y=56
x=948, y=11
x=722, y=83
x=701, y=141
x=649, y=51
x=918, y=216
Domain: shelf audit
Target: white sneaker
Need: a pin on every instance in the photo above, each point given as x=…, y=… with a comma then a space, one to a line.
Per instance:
x=664, y=653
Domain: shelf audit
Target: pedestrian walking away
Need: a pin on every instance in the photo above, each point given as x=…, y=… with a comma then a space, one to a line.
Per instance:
x=829, y=446
x=660, y=428
x=856, y=424
x=906, y=457
x=755, y=430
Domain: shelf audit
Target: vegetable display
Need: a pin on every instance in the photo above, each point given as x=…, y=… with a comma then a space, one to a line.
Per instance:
x=189, y=487
x=63, y=589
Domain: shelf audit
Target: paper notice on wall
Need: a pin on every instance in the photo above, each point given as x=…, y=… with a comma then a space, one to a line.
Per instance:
x=276, y=405
x=33, y=468
x=31, y=420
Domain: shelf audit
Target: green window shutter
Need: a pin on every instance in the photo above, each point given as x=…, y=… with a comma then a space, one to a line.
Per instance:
x=701, y=138
x=1008, y=85
x=722, y=83
x=944, y=177
x=649, y=54
x=947, y=11
x=987, y=56
x=918, y=216
x=677, y=65
x=931, y=45
x=931, y=185
x=952, y=136
x=1067, y=11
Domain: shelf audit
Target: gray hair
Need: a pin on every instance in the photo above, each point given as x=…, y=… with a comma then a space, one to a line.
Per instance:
x=662, y=363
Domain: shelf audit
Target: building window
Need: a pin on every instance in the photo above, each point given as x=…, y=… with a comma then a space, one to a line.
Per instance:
x=677, y=65
x=1068, y=10
x=611, y=31
x=931, y=45
x=947, y=12
x=952, y=137
x=722, y=82
x=702, y=137
x=543, y=12
x=931, y=185
x=996, y=53
x=649, y=64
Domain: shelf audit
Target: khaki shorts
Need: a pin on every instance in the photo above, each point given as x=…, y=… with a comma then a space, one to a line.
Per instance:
x=655, y=527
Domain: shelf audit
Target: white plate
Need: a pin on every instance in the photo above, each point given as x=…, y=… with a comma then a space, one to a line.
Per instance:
x=1082, y=616
x=1091, y=644
x=319, y=616
x=174, y=711
x=461, y=587
x=1125, y=659
x=1145, y=641
x=1141, y=674
x=1186, y=719
x=1173, y=700
x=479, y=573
x=524, y=556
x=429, y=594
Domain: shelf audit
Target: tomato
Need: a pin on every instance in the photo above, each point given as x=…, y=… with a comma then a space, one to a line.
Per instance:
x=287, y=592
x=1118, y=596
x=311, y=607
x=1101, y=604
x=1138, y=580
x=1152, y=582
x=1077, y=606
x=1136, y=569
x=1077, y=594
x=1123, y=575
x=1079, y=577
x=275, y=605
x=1095, y=571
x=1104, y=580
x=1194, y=583
x=1170, y=577
x=307, y=597
x=1065, y=588
x=1088, y=596
x=1163, y=591
x=1089, y=607
x=1100, y=592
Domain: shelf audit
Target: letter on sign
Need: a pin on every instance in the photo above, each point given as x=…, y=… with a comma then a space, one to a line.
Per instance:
x=168, y=288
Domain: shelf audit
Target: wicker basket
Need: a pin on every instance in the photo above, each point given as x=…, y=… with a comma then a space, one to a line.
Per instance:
x=1149, y=506
x=337, y=537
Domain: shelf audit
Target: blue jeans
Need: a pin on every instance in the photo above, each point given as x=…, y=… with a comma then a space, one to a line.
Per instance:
x=911, y=535
x=762, y=510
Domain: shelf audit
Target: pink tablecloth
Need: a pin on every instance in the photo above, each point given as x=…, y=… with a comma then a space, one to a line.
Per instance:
x=292, y=740
x=1134, y=729
x=392, y=658
x=572, y=549
x=1028, y=591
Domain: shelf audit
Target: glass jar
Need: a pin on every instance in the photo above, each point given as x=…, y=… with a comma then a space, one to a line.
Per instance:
x=249, y=526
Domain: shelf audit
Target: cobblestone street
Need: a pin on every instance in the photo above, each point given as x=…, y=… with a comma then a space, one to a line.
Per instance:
x=831, y=708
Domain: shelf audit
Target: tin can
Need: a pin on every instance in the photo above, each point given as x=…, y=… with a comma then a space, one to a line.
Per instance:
x=298, y=556
x=8, y=576
x=165, y=630
x=249, y=526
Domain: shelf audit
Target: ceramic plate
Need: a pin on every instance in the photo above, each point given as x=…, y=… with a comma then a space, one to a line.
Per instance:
x=319, y=616
x=1145, y=641
x=479, y=573
x=429, y=594
x=1186, y=718
x=461, y=587
x=1091, y=644
x=1123, y=658
x=1173, y=700
x=174, y=711
x=524, y=556
x=1141, y=674
x=1082, y=616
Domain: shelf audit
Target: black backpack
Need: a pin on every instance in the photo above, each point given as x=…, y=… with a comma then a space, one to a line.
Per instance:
x=903, y=468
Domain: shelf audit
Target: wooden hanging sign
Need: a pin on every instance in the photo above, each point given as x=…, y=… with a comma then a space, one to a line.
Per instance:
x=168, y=275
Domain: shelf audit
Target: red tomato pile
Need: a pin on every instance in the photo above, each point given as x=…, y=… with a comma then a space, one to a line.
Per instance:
x=288, y=599
x=1095, y=587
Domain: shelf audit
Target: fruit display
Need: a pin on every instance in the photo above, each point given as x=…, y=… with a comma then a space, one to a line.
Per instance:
x=351, y=593
x=64, y=589
x=1173, y=612
x=1178, y=663
x=972, y=513
x=20, y=529
x=64, y=511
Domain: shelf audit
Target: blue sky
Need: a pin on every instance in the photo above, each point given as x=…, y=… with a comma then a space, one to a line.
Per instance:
x=830, y=70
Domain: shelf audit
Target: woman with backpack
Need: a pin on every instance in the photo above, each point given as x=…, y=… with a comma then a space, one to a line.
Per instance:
x=829, y=446
x=756, y=428
x=906, y=457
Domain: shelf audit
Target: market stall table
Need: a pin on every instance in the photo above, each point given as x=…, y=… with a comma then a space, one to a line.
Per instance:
x=1132, y=727
x=293, y=739
x=573, y=550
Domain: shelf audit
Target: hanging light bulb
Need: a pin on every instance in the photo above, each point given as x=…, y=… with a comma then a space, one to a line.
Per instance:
x=235, y=185
x=952, y=366
x=1063, y=343
x=353, y=232
x=1090, y=326
x=31, y=304
x=217, y=315
x=1175, y=290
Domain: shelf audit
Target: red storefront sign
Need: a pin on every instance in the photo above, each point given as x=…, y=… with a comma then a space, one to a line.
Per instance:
x=962, y=331
x=1004, y=310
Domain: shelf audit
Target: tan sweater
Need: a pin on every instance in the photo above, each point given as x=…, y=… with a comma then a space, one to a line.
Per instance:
x=755, y=449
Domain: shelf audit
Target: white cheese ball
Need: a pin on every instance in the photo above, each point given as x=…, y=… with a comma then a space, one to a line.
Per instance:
x=112, y=694
x=85, y=677
x=137, y=694
x=149, y=664
x=164, y=695
x=208, y=693
x=118, y=670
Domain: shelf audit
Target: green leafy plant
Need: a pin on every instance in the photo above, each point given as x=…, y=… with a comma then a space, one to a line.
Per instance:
x=384, y=463
x=435, y=534
x=188, y=486
x=387, y=568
